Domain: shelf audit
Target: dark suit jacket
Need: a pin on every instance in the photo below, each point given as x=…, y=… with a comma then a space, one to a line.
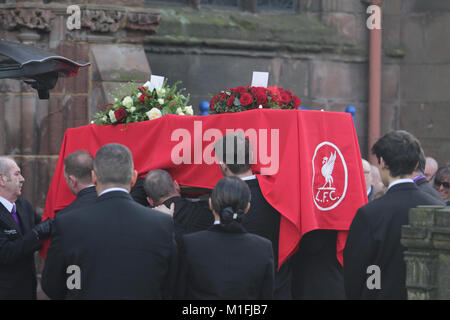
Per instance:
x=17, y=268
x=85, y=197
x=425, y=186
x=190, y=216
x=262, y=219
x=374, y=239
x=216, y=264
x=316, y=272
x=123, y=250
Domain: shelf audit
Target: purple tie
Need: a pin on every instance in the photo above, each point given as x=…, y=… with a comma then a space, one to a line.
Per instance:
x=16, y=218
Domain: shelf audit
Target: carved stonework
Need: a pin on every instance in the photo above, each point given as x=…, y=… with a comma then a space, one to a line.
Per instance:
x=32, y=18
x=101, y=20
x=142, y=21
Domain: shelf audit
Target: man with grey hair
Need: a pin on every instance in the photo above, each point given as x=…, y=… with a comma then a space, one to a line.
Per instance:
x=188, y=216
x=78, y=168
x=20, y=232
x=431, y=166
x=115, y=248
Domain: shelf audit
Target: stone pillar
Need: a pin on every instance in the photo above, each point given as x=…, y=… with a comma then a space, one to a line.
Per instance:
x=427, y=239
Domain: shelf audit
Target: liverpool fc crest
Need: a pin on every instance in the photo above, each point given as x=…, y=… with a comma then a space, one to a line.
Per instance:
x=329, y=183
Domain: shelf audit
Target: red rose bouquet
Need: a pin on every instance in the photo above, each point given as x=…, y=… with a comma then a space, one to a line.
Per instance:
x=246, y=98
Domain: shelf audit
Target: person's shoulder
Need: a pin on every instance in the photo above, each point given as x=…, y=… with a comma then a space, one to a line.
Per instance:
x=24, y=203
x=258, y=241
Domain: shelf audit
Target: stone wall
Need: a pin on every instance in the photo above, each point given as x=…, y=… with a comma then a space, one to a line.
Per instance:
x=427, y=239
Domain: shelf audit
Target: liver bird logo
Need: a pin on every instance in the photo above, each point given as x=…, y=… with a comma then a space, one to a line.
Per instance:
x=327, y=169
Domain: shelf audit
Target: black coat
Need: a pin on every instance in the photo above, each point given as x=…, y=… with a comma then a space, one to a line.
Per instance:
x=218, y=264
x=426, y=187
x=85, y=197
x=374, y=239
x=123, y=250
x=190, y=216
x=17, y=268
x=316, y=272
x=262, y=219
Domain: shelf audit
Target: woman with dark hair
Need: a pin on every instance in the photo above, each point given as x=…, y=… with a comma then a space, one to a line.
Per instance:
x=225, y=261
x=442, y=183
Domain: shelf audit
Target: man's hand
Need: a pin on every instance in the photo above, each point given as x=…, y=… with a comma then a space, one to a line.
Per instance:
x=43, y=229
x=166, y=210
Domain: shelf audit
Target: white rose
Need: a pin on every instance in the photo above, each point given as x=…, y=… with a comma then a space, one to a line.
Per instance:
x=127, y=102
x=132, y=109
x=112, y=116
x=189, y=111
x=104, y=119
x=179, y=111
x=161, y=101
x=139, y=94
x=160, y=92
x=154, y=113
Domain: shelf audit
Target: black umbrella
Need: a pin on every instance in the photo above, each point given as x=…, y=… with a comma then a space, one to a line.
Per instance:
x=36, y=67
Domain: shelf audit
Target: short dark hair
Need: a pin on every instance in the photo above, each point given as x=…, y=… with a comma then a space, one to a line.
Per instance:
x=400, y=151
x=80, y=164
x=422, y=161
x=113, y=164
x=234, y=150
x=158, y=184
x=230, y=195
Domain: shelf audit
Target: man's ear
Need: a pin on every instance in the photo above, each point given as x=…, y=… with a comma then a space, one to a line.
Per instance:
x=150, y=202
x=94, y=178
x=134, y=176
x=176, y=185
x=224, y=169
x=248, y=208
x=381, y=163
x=210, y=204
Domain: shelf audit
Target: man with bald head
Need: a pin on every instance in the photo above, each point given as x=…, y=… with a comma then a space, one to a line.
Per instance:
x=20, y=232
x=78, y=168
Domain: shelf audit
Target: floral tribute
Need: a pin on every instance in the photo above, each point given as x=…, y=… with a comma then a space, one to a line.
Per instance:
x=141, y=104
x=247, y=98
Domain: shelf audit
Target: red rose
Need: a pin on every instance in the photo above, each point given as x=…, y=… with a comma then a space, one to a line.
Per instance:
x=241, y=90
x=296, y=101
x=107, y=106
x=285, y=98
x=246, y=99
x=142, y=98
x=230, y=101
x=120, y=114
x=261, y=98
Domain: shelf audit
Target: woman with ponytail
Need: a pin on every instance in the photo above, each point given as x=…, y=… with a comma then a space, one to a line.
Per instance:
x=225, y=261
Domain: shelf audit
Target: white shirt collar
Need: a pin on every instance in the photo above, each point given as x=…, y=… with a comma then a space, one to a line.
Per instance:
x=8, y=205
x=113, y=189
x=249, y=178
x=400, y=181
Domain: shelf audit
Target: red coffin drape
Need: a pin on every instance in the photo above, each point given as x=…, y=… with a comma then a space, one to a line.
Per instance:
x=307, y=197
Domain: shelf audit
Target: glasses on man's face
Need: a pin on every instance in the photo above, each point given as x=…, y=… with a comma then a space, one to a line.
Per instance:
x=438, y=184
